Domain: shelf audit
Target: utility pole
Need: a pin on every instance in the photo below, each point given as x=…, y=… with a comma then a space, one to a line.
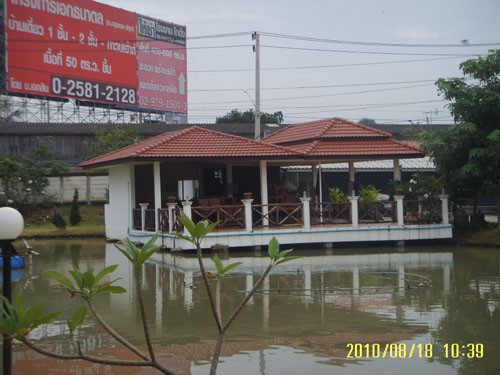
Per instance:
x=256, y=49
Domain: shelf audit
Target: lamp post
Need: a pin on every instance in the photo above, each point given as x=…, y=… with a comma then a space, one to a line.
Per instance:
x=11, y=226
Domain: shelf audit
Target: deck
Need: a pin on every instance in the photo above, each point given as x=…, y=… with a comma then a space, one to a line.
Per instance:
x=250, y=225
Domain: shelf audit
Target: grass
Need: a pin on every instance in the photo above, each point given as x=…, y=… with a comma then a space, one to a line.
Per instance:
x=489, y=237
x=38, y=223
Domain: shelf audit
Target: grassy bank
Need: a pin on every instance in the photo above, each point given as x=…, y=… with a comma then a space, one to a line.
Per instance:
x=38, y=223
x=489, y=237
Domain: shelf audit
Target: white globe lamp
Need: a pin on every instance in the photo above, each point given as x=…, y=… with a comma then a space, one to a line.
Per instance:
x=11, y=223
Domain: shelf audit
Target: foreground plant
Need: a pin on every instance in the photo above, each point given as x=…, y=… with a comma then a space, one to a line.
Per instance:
x=18, y=321
x=197, y=233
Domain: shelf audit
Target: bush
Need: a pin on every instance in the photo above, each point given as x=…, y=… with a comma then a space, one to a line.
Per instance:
x=337, y=195
x=58, y=220
x=368, y=193
x=74, y=213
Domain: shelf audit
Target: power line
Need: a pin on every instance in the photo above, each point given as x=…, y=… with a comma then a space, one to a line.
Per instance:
x=378, y=44
x=320, y=86
x=368, y=52
x=322, y=66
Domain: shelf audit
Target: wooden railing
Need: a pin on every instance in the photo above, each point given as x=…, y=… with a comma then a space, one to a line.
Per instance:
x=331, y=213
x=229, y=216
x=425, y=211
x=149, y=219
x=292, y=214
x=277, y=214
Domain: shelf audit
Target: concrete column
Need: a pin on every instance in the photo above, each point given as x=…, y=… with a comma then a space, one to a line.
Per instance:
x=171, y=216
x=264, y=196
x=157, y=190
x=396, y=170
x=248, y=215
x=144, y=206
x=229, y=180
x=444, y=208
x=353, y=199
x=399, y=208
x=306, y=211
x=350, y=186
x=186, y=207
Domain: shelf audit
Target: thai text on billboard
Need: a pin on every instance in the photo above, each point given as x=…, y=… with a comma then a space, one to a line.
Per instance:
x=88, y=51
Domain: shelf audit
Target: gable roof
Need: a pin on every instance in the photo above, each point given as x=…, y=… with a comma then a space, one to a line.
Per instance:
x=193, y=143
x=337, y=138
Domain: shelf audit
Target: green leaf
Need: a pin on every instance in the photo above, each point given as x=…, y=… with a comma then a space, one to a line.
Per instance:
x=104, y=272
x=273, y=248
x=59, y=277
x=230, y=267
x=77, y=318
x=116, y=289
x=218, y=264
x=287, y=259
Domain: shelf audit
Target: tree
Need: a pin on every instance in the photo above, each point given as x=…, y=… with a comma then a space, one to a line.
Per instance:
x=467, y=155
x=367, y=121
x=74, y=213
x=110, y=140
x=247, y=117
x=24, y=177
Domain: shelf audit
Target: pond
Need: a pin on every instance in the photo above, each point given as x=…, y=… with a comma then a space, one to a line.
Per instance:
x=378, y=310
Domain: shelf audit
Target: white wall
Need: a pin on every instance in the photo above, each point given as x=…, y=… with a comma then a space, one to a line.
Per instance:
x=118, y=213
x=91, y=188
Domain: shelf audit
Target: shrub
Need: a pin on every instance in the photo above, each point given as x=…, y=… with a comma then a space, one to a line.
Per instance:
x=58, y=220
x=337, y=195
x=74, y=213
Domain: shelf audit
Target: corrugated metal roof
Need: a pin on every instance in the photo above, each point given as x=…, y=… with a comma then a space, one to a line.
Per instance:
x=417, y=164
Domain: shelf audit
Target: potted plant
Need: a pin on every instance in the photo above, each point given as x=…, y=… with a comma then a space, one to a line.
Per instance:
x=368, y=197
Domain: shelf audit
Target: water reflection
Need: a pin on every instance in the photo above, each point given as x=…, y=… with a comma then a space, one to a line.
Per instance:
x=301, y=320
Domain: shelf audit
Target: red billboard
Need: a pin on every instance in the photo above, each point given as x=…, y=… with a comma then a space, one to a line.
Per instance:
x=88, y=51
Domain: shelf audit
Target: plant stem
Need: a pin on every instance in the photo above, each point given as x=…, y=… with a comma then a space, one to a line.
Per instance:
x=208, y=288
x=216, y=356
x=115, y=334
x=138, y=281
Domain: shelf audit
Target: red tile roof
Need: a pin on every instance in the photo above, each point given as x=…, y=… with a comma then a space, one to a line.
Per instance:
x=333, y=128
x=341, y=139
x=193, y=143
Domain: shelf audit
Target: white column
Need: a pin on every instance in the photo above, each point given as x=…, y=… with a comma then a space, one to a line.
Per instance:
x=444, y=208
x=229, y=180
x=144, y=206
x=248, y=215
x=263, y=192
x=354, y=210
x=186, y=207
x=157, y=190
x=350, y=188
x=396, y=171
x=306, y=212
x=399, y=208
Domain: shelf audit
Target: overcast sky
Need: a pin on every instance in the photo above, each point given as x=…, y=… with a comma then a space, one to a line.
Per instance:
x=309, y=80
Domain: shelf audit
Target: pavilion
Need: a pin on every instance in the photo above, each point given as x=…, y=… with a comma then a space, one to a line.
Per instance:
x=238, y=182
